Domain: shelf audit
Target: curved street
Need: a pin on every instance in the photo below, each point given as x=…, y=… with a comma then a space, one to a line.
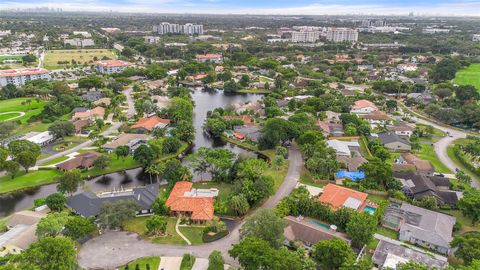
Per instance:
x=113, y=249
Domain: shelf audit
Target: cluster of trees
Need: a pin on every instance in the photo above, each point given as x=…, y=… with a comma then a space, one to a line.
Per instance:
x=360, y=227
x=320, y=159
x=354, y=125
x=216, y=124
x=24, y=153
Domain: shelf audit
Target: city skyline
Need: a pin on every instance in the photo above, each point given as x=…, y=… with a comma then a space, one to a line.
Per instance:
x=281, y=7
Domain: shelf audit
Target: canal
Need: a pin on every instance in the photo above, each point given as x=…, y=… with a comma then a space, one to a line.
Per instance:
x=204, y=102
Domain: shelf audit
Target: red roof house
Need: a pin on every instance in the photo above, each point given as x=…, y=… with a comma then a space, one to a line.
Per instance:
x=147, y=124
x=183, y=202
x=338, y=197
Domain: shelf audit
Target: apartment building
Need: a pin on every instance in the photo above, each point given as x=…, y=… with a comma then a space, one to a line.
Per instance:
x=111, y=66
x=19, y=77
x=305, y=36
x=342, y=34
x=151, y=39
x=175, y=28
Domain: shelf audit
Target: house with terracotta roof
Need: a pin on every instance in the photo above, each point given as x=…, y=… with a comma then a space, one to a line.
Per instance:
x=196, y=204
x=209, y=58
x=111, y=66
x=93, y=114
x=338, y=197
x=363, y=106
x=148, y=124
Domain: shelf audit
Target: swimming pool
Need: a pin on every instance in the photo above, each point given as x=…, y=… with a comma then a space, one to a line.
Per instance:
x=369, y=209
x=313, y=221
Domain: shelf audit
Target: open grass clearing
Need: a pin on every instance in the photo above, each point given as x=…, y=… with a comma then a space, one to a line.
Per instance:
x=138, y=225
x=81, y=57
x=55, y=161
x=153, y=262
x=428, y=153
x=30, y=106
x=469, y=76
x=27, y=180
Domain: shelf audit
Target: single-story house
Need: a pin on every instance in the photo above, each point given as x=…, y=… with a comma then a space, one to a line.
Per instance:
x=421, y=97
x=80, y=124
x=89, y=204
x=197, y=204
x=376, y=118
x=40, y=138
x=424, y=167
x=310, y=233
x=81, y=161
x=343, y=148
x=338, y=197
x=93, y=114
x=92, y=96
x=252, y=133
x=148, y=124
x=401, y=129
x=103, y=100
x=129, y=139
x=331, y=129
x=421, y=226
x=247, y=119
x=21, y=232
x=417, y=186
x=390, y=254
x=394, y=142
x=363, y=106
x=351, y=163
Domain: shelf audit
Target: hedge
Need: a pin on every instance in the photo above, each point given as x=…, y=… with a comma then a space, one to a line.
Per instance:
x=460, y=156
x=207, y=238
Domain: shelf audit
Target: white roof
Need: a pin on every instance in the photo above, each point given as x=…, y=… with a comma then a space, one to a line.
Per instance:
x=341, y=147
x=41, y=137
x=392, y=260
x=352, y=203
x=6, y=237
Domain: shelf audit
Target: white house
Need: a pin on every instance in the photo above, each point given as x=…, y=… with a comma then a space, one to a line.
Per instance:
x=19, y=77
x=209, y=58
x=407, y=67
x=342, y=148
x=111, y=66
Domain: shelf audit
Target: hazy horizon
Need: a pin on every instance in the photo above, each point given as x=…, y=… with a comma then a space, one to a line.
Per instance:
x=270, y=7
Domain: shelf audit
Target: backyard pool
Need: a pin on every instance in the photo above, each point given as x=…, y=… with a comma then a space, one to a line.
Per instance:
x=369, y=209
x=321, y=224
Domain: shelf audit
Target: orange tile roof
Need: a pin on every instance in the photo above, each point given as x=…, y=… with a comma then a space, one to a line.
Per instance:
x=337, y=195
x=97, y=111
x=363, y=103
x=149, y=123
x=112, y=63
x=200, y=207
x=208, y=56
x=22, y=72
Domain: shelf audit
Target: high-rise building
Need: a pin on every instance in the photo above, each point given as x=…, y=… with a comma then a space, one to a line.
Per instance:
x=342, y=34
x=174, y=28
x=305, y=36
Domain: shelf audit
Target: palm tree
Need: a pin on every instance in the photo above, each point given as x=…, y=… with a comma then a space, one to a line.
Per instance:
x=151, y=170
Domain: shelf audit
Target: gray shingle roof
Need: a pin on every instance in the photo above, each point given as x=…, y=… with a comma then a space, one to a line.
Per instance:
x=389, y=137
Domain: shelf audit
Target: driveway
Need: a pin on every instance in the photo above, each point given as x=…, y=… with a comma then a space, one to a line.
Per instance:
x=170, y=263
x=113, y=249
x=131, y=104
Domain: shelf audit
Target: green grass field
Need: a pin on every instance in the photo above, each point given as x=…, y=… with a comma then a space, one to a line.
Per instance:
x=31, y=108
x=32, y=179
x=10, y=57
x=469, y=75
x=153, y=262
x=8, y=116
x=428, y=153
x=138, y=225
x=194, y=234
x=80, y=56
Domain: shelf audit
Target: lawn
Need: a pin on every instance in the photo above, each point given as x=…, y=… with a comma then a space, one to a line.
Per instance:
x=436, y=131
x=224, y=190
x=187, y=262
x=453, y=157
x=138, y=225
x=115, y=165
x=387, y=232
x=428, y=153
x=193, y=233
x=255, y=91
x=55, y=161
x=85, y=56
x=153, y=262
x=23, y=180
x=465, y=221
x=469, y=75
x=31, y=108
x=7, y=116
x=10, y=57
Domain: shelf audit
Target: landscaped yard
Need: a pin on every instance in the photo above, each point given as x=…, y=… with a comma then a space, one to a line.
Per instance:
x=453, y=157
x=428, y=153
x=193, y=233
x=32, y=179
x=9, y=115
x=138, y=225
x=55, y=161
x=436, y=131
x=469, y=75
x=153, y=262
x=465, y=221
x=387, y=232
x=115, y=165
x=85, y=56
x=16, y=105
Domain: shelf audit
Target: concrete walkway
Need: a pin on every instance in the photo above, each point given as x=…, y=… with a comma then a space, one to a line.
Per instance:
x=181, y=234
x=170, y=263
x=200, y=264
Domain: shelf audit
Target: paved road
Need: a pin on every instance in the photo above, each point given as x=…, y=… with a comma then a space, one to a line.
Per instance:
x=117, y=248
x=107, y=132
x=441, y=146
x=131, y=104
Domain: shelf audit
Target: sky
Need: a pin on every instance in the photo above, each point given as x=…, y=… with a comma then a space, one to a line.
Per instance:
x=281, y=7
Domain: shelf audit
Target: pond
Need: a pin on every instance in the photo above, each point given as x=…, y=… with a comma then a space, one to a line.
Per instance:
x=204, y=102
